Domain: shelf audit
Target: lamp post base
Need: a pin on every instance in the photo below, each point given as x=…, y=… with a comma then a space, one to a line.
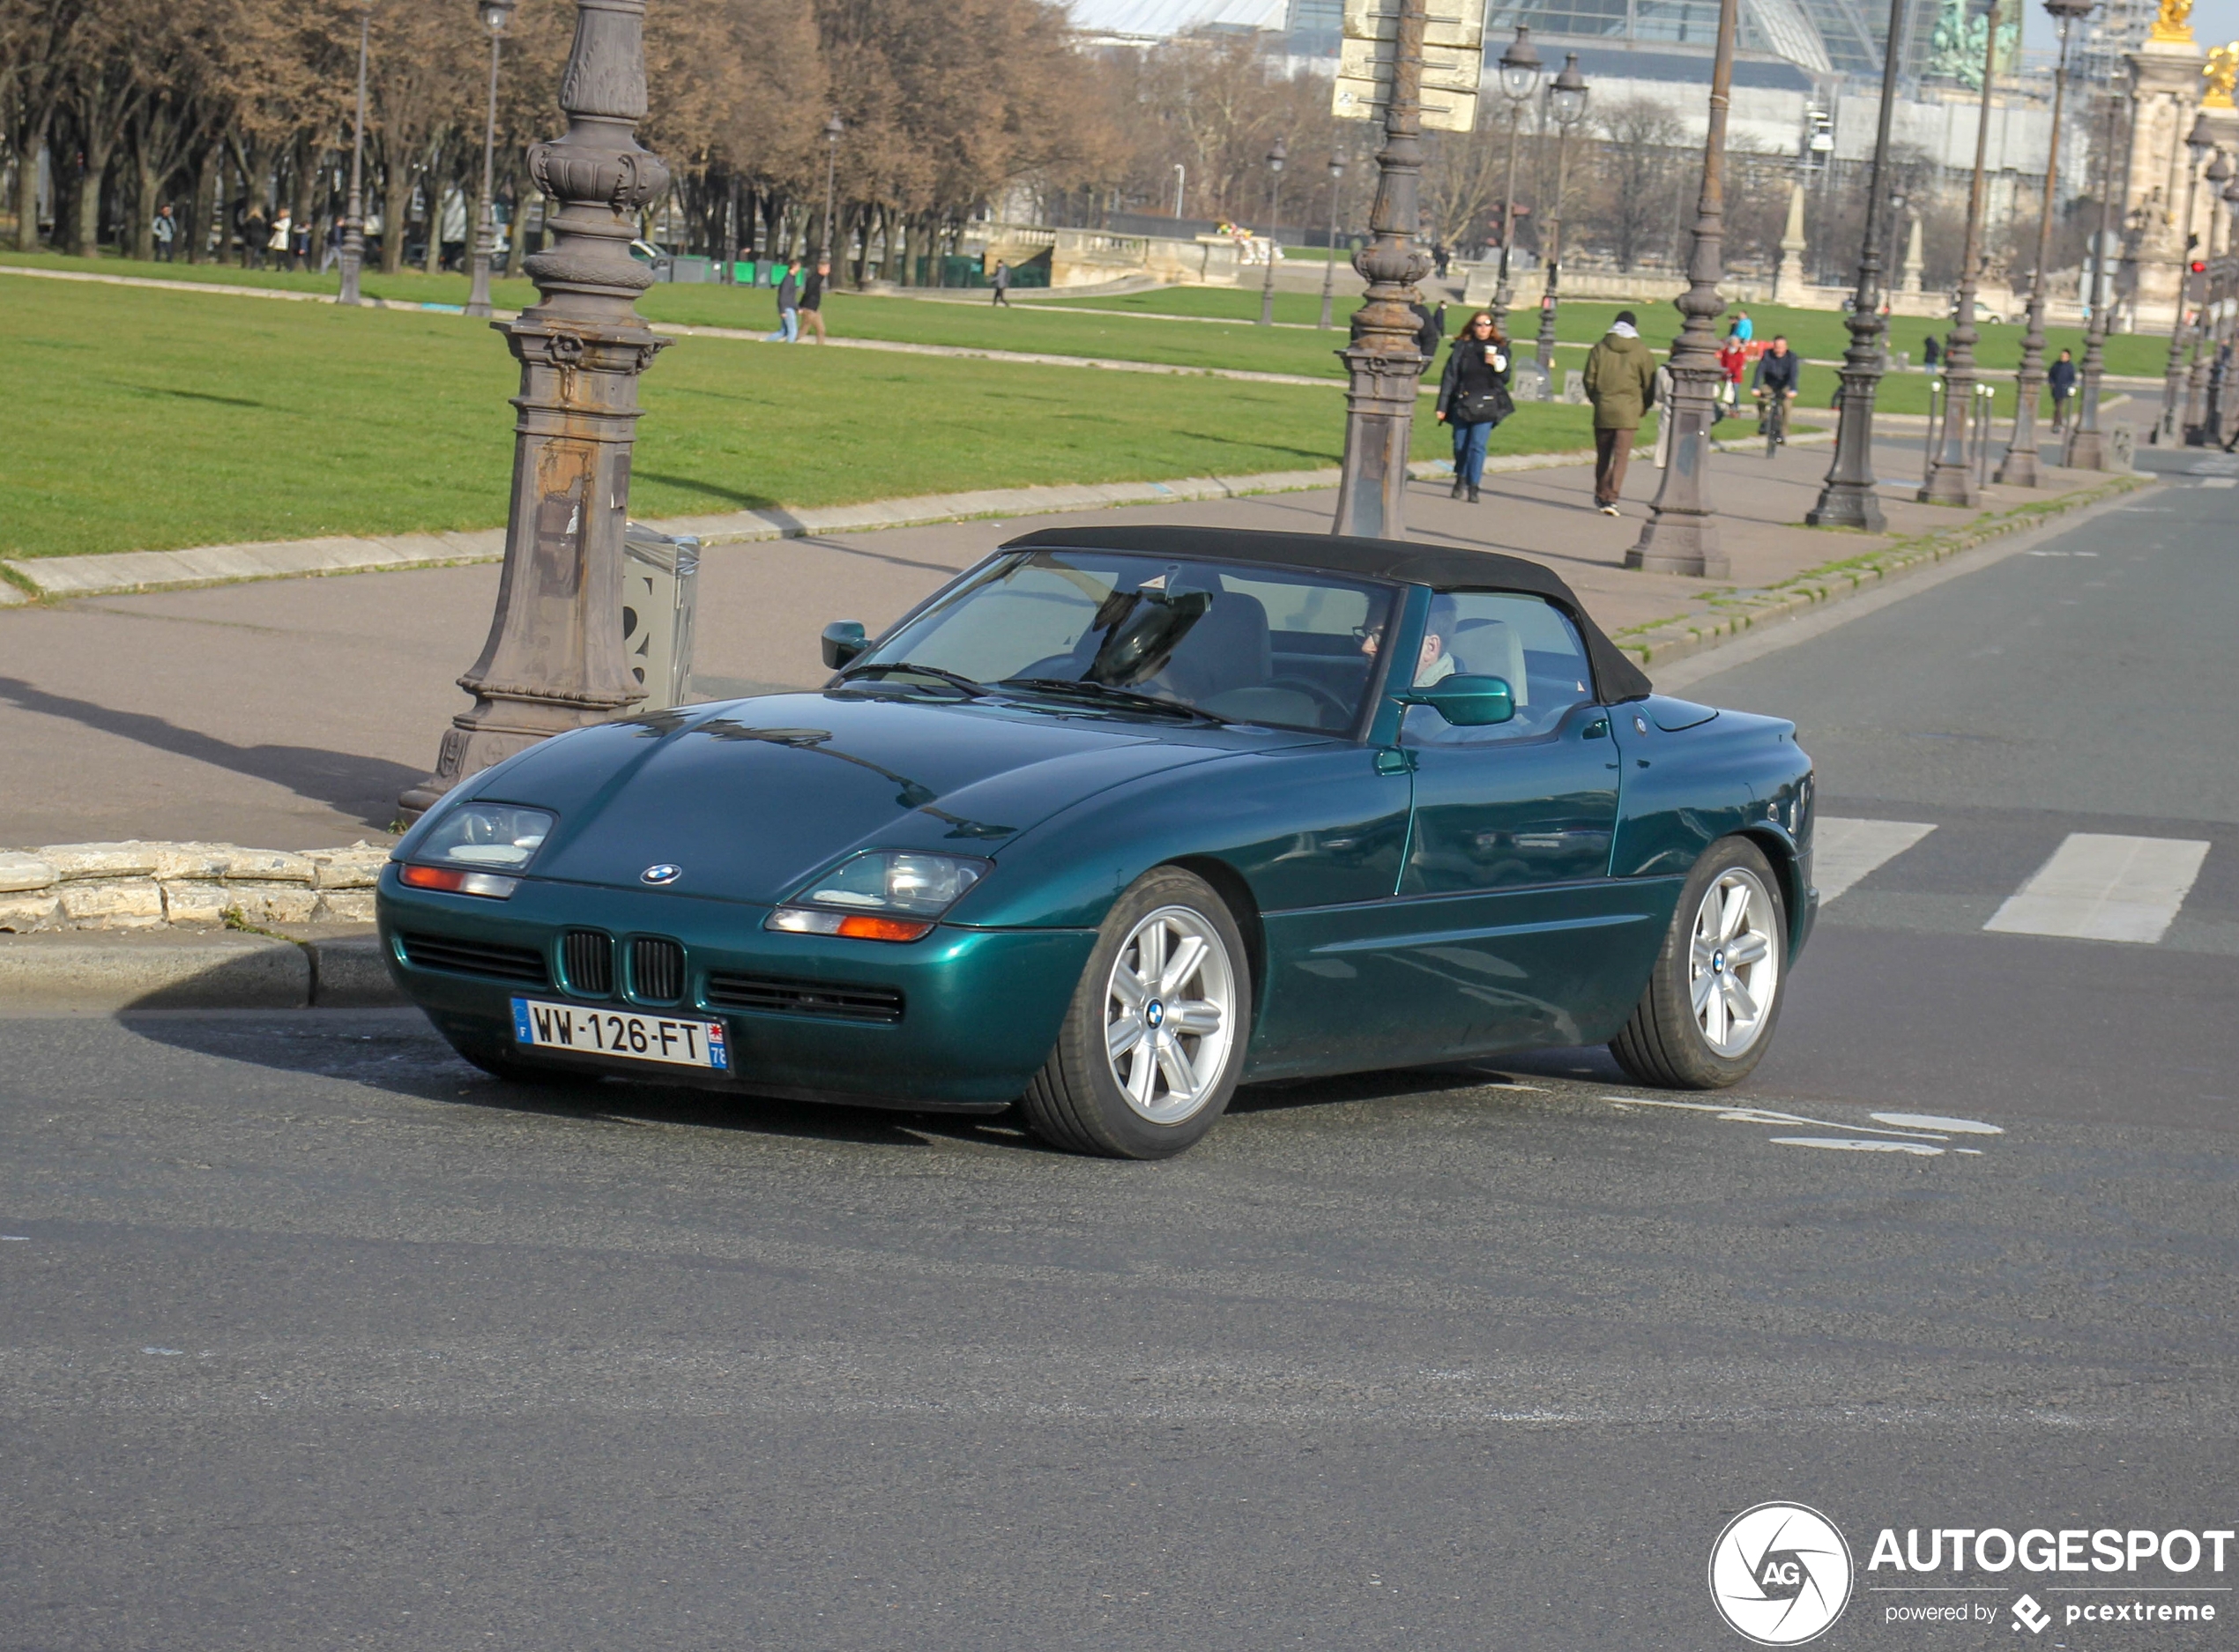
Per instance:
x=1681, y=533
x=1951, y=484
x=477, y=296
x=2087, y=451
x=1847, y=505
x=1380, y=421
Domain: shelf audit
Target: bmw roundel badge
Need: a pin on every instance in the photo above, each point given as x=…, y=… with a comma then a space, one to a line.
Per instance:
x=662, y=873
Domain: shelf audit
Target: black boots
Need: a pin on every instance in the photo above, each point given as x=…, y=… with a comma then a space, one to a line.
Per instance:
x=1458, y=485
x=1473, y=496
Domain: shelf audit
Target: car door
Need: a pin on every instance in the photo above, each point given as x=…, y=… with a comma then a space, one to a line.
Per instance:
x=1514, y=933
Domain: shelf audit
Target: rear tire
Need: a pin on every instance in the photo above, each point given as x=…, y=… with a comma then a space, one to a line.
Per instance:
x=1153, y=1043
x=1707, y=1016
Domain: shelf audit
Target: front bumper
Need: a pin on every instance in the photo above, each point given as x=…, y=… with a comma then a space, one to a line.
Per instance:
x=980, y=1008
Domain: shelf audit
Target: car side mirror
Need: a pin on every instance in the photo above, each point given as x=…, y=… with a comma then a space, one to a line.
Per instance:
x=844, y=640
x=1467, y=701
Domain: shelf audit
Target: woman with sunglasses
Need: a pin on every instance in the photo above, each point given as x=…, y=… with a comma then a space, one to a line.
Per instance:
x=1473, y=396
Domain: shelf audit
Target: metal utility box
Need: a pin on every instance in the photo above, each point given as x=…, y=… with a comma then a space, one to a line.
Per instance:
x=661, y=589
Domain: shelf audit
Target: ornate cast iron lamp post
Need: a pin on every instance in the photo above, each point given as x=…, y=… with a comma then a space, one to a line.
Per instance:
x=1681, y=534
x=1520, y=72
x=1329, y=263
x=354, y=223
x=835, y=129
x=1276, y=158
x=554, y=660
x=2199, y=141
x=1952, y=480
x=2087, y=443
x=495, y=15
x=1382, y=360
x=1847, y=498
x=1566, y=101
x=2019, y=465
x=2205, y=335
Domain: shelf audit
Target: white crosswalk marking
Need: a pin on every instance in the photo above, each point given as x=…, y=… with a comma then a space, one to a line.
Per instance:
x=2101, y=887
x=1844, y=851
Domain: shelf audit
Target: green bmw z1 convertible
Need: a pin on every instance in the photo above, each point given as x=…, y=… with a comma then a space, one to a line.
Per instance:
x=1118, y=819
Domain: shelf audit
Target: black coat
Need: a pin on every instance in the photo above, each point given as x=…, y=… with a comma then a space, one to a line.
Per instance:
x=2063, y=375
x=1469, y=374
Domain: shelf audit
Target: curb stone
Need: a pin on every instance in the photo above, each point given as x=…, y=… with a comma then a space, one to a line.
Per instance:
x=1722, y=615
x=77, y=972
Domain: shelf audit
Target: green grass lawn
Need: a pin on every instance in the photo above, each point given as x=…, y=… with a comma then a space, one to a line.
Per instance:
x=1140, y=332
x=151, y=420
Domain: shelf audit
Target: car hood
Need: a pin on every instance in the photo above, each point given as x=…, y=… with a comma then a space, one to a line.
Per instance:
x=751, y=797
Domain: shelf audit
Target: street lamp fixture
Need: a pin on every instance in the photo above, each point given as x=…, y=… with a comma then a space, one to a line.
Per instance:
x=1951, y=479
x=2209, y=323
x=554, y=660
x=1681, y=533
x=2087, y=443
x=1276, y=158
x=2018, y=467
x=1329, y=263
x=2199, y=141
x=1384, y=361
x=353, y=221
x=1847, y=497
x=835, y=129
x=1566, y=103
x=1520, y=72
x=495, y=14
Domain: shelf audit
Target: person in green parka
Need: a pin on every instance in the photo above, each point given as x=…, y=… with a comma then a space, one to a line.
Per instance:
x=1620, y=382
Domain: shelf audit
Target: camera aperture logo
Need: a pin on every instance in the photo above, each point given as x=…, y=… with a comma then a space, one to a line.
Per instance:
x=1779, y=1573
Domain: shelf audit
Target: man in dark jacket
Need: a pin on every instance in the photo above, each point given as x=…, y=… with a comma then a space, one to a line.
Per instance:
x=2063, y=380
x=1620, y=380
x=812, y=301
x=788, y=304
x=1780, y=376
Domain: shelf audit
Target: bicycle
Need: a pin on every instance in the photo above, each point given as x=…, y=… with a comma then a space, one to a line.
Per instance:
x=1773, y=420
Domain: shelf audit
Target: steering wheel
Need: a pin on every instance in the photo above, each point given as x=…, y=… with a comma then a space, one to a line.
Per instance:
x=1313, y=690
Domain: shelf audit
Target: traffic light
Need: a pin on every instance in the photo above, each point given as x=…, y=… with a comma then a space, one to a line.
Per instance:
x=2199, y=267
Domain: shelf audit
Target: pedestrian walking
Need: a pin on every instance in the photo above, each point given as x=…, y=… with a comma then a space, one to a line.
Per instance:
x=279, y=240
x=165, y=230
x=1473, y=397
x=1620, y=379
x=1430, y=334
x=2063, y=380
x=1733, y=361
x=1744, y=328
x=1931, y=352
x=255, y=232
x=812, y=301
x=788, y=305
x=1003, y=280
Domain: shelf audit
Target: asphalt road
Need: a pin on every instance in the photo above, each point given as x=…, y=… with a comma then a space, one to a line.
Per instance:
x=315, y=1337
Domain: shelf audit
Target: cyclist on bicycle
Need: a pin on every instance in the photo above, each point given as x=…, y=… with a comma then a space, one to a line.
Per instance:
x=1779, y=375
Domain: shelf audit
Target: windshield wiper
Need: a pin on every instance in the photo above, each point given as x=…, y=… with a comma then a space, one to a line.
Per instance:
x=1104, y=693
x=965, y=685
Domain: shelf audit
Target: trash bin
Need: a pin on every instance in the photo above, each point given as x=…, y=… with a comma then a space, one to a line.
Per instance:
x=660, y=589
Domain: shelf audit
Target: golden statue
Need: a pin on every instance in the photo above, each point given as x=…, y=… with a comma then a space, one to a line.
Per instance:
x=2175, y=23
x=2221, y=70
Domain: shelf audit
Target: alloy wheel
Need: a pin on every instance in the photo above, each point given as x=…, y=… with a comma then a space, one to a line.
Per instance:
x=1170, y=1015
x=1734, y=966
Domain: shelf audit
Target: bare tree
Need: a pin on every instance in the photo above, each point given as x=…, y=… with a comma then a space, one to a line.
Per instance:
x=1637, y=159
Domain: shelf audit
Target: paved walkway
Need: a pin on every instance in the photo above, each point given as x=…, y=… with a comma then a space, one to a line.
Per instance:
x=288, y=714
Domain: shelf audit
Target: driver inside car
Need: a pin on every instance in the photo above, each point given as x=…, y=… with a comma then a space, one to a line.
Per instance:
x=1435, y=663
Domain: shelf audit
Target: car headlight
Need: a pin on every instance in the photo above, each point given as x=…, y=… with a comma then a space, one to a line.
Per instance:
x=880, y=896
x=474, y=845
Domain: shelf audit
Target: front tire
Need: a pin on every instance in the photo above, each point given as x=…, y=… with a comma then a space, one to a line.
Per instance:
x=1153, y=1043
x=1707, y=1017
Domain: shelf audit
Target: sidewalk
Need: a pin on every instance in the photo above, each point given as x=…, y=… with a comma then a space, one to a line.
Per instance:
x=289, y=713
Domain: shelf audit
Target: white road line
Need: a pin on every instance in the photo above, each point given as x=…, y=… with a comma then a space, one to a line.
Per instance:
x=1844, y=851
x=2101, y=887
x=2222, y=481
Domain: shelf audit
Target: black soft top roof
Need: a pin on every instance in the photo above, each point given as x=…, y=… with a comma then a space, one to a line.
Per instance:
x=1444, y=567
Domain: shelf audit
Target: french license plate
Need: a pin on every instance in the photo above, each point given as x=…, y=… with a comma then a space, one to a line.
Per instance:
x=671, y=1040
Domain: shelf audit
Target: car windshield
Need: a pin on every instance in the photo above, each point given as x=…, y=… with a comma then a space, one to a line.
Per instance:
x=1137, y=634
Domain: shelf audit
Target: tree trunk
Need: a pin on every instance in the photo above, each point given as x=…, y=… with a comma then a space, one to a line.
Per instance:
x=432, y=192
x=25, y=141
x=396, y=195
x=196, y=227
x=517, y=230
x=145, y=185
x=88, y=233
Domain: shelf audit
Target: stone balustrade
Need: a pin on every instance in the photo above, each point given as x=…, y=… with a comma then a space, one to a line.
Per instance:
x=185, y=885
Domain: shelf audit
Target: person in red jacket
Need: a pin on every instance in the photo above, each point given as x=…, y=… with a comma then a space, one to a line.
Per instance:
x=1733, y=356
